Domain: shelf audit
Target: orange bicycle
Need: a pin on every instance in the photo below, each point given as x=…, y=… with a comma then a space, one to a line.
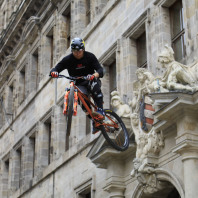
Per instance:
x=112, y=127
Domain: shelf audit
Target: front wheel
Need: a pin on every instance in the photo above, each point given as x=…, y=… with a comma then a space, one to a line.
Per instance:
x=70, y=110
x=114, y=131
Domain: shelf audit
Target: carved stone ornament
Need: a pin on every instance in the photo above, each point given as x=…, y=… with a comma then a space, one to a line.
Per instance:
x=152, y=180
x=146, y=176
x=177, y=77
x=147, y=139
x=123, y=110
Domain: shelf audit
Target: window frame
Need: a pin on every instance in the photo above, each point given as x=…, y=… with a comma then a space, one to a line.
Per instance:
x=181, y=34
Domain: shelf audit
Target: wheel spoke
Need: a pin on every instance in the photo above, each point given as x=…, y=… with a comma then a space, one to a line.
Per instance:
x=115, y=131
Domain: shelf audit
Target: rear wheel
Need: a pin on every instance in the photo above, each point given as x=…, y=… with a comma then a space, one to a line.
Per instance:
x=115, y=131
x=70, y=110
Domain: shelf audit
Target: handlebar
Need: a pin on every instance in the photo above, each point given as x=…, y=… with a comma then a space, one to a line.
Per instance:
x=71, y=78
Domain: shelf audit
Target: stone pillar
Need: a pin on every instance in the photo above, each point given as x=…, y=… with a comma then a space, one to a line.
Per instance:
x=114, y=179
x=42, y=149
x=114, y=162
x=58, y=132
x=187, y=146
x=78, y=15
x=61, y=33
x=32, y=60
x=16, y=170
x=20, y=79
x=8, y=102
x=4, y=179
x=157, y=35
x=126, y=65
x=28, y=161
x=47, y=53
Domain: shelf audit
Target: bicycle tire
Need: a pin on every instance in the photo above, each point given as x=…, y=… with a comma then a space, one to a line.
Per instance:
x=70, y=110
x=118, y=138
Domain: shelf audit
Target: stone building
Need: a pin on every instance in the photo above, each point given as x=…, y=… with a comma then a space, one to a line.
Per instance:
x=38, y=159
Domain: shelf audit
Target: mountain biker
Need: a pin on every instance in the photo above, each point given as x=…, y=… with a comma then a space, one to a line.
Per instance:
x=83, y=63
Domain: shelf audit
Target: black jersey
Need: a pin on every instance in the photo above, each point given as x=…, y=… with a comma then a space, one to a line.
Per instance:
x=80, y=67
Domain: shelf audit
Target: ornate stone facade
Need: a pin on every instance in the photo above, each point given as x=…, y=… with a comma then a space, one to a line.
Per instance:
x=157, y=100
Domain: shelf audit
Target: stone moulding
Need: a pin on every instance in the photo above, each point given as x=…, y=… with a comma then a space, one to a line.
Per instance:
x=33, y=20
x=167, y=178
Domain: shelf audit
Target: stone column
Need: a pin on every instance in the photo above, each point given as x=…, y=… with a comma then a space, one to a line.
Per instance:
x=42, y=149
x=187, y=146
x=4, y=179
x=157, y=35
x=61, y=34
x=46, y=53
x=16, y=170
x=78, y=16
x=28, y=161
x=126, y=65
x=58, y=132
x=8, y=102
x=114, y=180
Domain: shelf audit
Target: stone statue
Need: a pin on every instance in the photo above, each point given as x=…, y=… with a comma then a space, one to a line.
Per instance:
x=145, y=174
x=177, y=77
x=123, y=110
x=147, y=140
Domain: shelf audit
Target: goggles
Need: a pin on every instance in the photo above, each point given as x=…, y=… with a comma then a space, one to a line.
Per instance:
x=77, y=50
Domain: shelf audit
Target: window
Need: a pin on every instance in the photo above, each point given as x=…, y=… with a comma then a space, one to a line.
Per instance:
x=2, y=112
x=8, y=103
x=85, y=194
x=19, y=151
x=112, y=77
x=67, y=16
x=35, y=64
x=47, y=125
x=22, y=85
x=141, y=51
x=50, y=46
x=4, y=19
x=177, y=30
x=108, y=60
x=16, y=168
x=84, y=189
x=33, y=151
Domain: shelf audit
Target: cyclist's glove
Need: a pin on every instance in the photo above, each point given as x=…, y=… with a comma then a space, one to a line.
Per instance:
x=54, y=74
x=90, y=77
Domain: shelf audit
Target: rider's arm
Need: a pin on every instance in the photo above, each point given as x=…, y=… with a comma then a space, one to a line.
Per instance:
x=61, y=65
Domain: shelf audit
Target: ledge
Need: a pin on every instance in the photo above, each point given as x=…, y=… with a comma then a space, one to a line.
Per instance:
x=101, y=156
x=176, y=105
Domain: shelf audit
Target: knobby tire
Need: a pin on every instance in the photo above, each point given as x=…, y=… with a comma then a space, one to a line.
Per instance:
x=117, y=138
x=70, y=110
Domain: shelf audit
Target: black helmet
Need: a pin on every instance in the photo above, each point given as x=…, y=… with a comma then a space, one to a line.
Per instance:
x=77, y=44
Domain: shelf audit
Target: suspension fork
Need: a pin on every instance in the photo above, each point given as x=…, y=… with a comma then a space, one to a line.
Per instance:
x=75, y=101
x=67, y=91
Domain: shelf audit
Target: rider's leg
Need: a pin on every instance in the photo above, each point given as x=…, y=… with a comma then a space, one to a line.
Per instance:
x=95, y=89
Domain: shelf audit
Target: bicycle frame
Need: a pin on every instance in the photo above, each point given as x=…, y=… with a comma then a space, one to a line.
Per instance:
x=78, y=94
